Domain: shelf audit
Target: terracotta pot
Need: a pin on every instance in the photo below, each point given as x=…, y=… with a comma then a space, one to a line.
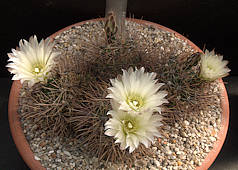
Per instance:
x=28, y=156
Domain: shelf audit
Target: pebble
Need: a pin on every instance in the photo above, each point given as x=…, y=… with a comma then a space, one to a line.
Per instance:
x=168, y=152
x=36, y=158
x=186, y=123
x=67, y=153
x=182, y=157
x=153, y=168
x=213, y=139
x=157, y=163
x=50, y=152
x=154, y=149
x=179, y=163
x=53, y=155
x=42, y=144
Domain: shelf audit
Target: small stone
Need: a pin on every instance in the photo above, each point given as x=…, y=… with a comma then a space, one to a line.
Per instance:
x=198, y=163
x=154, y=148
x=182, y=156
x=179, y=163
x=183, y=134
x=72, y=165
x=36, y=158
x=53, y=155
x=207, y=149
x=157, y=163
x=43, y=135
x=213, y=139
x=34, y=127
x=42, y=144
x=173, y=157
x=159, y=140
x=186, y=123
x=67, y=153
x=50, y=152
x=153, y=168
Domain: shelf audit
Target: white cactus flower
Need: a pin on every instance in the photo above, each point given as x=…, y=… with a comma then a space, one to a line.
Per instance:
x=212, y=66
x=33, y=61
x=137, y=92
x=131, y=129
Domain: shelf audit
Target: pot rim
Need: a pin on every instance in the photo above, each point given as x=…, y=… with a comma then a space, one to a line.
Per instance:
x=25, y=150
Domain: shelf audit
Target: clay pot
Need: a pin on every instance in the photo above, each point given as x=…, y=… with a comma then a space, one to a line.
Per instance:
x=28, y=156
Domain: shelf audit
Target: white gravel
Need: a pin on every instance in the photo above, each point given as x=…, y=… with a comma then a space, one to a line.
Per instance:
x=183, y=146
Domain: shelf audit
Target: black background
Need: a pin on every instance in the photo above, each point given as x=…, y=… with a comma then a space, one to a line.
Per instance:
x=208, y=23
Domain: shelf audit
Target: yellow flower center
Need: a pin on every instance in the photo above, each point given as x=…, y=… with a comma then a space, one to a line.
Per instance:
x=37, y=68
x=210, y=67
x=135, y=102
x=128, y=126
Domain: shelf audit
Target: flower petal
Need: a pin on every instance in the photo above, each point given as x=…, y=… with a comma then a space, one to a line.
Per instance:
x=33, y=61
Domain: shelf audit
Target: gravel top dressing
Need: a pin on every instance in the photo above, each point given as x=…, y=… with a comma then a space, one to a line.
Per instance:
x=186, y=136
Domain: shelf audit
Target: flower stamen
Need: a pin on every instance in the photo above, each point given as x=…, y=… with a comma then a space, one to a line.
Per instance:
x=37, y=70
x=129, y=125
x=135, y=102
